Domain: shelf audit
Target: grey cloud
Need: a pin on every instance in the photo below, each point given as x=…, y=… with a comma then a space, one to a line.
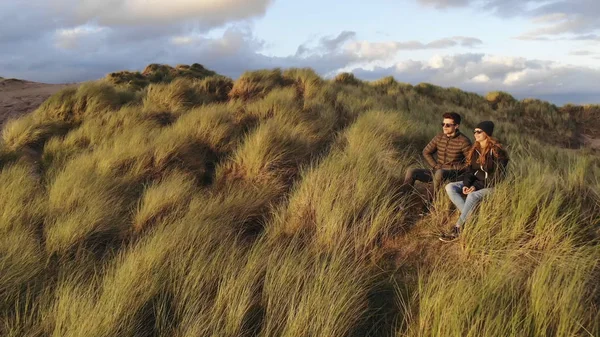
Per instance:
x=534, y=38
x=469, y=41
x=500, y=7
x=20, y=20
x=588, y=37
x=238, y=50
x=73, y=40
x=579, y=17
x=89, y=53
x=345, y=47
x=445, y=3
x=302, y=50
x=521, y=77
x=334, y=43
x=442, y=43
x=326, y=44
x=449, y=42
x=29, y=20
x=582, y=53
x=454, y=41
x=569, y=7
x=117, y=13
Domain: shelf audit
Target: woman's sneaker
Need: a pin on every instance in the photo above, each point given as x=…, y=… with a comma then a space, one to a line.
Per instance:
x=452, y=235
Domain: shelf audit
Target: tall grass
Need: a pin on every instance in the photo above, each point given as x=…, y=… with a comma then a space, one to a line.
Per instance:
x=23, y=205
x=176, y=202
x=527, y=263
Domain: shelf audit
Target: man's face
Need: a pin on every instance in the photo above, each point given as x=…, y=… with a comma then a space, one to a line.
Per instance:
x=448, y=126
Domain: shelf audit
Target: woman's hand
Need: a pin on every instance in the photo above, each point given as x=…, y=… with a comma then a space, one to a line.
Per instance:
x=466, y=190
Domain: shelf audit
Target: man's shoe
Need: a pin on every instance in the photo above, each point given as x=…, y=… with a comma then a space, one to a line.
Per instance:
x=452, y=235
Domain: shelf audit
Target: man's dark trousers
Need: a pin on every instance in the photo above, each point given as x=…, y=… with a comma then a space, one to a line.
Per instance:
x=427, y=175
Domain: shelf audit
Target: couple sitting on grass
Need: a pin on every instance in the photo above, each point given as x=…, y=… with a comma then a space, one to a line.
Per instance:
x=473, y=169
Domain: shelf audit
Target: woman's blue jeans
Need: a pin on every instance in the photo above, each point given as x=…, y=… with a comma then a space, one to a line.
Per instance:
x=465, y=206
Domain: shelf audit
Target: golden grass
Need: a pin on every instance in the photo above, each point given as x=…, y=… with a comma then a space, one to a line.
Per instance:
x=256, y=84
x=176, y=202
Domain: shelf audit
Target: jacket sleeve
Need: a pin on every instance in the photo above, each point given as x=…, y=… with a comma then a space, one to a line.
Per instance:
x=465, y=149
x=469, y=178
x=429, y=150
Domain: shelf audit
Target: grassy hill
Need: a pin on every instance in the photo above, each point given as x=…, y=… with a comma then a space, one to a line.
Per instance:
x=177, y=202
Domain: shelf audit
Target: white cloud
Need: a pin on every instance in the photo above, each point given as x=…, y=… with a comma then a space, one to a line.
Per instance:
x=574, y=18
x=445, y=3
x=69, y=40
x=130, y=20
x=515, y=78
x=371, y=51
x=436, y=62
x=481, y=78
x=549, y=18
x=73, y=38
x=182, y=40
x=483, y=73
x=207, y=13
x=582, y=53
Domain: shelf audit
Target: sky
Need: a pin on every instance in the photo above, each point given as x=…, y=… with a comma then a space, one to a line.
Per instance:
x=548, y=49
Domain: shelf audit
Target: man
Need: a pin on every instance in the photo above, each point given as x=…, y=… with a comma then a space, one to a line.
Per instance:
x=450, y=148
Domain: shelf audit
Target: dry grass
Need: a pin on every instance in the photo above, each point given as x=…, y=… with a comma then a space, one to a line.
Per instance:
x=256, y=84
x=346, y=78
x=176, y=202
x=157, y=73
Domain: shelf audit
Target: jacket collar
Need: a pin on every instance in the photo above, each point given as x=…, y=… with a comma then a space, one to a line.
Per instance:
x=455, y=135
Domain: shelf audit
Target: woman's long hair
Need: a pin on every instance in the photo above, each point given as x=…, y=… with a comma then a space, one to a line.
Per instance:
x=493, y=143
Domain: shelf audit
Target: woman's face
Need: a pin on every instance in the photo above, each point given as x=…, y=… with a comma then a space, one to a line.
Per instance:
x=480, y=135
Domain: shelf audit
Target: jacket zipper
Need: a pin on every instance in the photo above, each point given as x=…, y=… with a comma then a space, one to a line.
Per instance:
x=481, y=167
x=446, y=151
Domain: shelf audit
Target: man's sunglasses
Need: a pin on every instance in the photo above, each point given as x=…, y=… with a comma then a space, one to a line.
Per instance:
x=448, y=124
x=478, y=131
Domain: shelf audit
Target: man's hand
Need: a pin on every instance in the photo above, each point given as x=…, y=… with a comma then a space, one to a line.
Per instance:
x=466, y=190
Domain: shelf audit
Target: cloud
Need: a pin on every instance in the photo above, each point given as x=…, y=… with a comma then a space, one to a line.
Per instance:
x=588, y=37
x=29, y=20
x=345, y=50
x=331, y=44
x=74, y=40
x=500, y=7
x=84, y=41
x=483, y=73
x=89, y=52
x=578, y=18
x=481, y=78
x=207, y=13
x=346, y=43
x=372, y=51
x=445, y=3
x=582, y=53
x=79, y=37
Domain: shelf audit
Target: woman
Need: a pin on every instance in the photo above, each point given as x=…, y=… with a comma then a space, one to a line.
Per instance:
x=486, y=165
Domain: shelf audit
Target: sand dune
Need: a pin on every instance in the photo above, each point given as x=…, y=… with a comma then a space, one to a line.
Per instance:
x=18, y=97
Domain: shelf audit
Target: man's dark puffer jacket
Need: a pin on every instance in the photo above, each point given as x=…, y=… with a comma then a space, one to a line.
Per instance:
x=450, y=151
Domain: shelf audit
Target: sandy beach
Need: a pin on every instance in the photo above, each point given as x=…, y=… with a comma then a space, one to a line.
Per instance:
x=18, y=97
